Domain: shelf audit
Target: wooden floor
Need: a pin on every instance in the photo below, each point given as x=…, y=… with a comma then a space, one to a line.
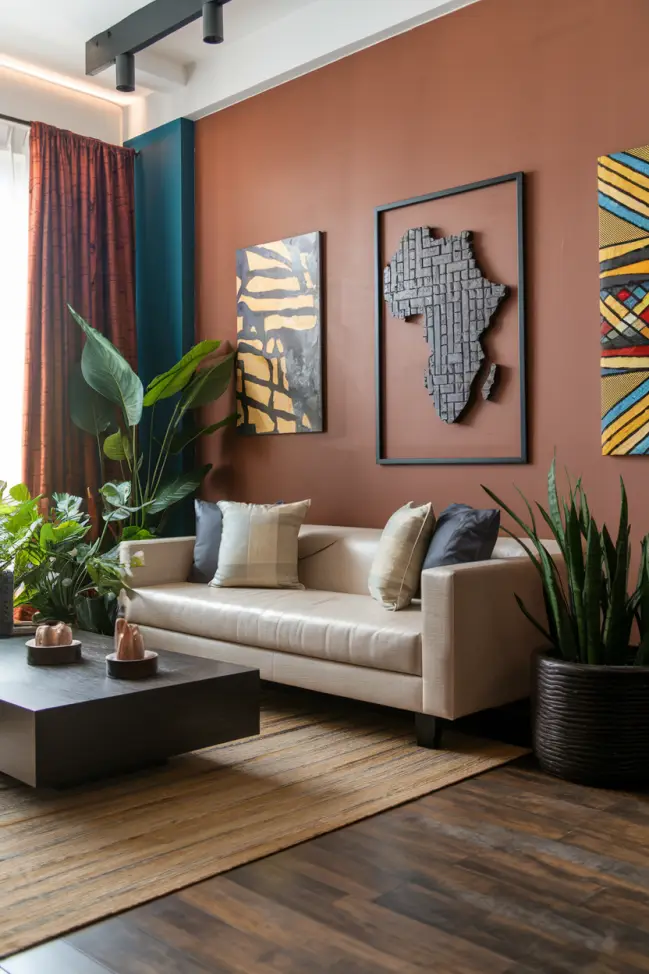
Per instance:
x=510, y=872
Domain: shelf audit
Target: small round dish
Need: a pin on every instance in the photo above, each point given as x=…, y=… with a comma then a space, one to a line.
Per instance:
x=132, y=669
x=53, y=655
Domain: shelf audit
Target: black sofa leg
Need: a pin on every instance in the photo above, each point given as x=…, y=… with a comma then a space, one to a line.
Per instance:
x=429, y=730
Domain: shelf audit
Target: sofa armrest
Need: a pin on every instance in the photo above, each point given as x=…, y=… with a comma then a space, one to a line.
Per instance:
x=476, y=643
x=165, y=560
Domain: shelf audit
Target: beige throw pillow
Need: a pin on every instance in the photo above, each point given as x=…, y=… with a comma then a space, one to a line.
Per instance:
x=395, y=571
x=259, y=545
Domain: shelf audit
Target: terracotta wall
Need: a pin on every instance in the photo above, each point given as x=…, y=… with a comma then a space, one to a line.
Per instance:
x=543, y=86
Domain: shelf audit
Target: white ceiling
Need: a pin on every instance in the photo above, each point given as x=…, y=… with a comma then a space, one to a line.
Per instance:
x=51, y=35
x=266, y=42
x=240, y=18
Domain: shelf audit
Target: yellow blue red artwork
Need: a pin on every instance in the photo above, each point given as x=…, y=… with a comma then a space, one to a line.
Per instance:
x=279, y=340
x=623, y=184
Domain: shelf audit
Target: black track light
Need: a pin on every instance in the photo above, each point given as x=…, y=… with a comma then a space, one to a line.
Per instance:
x=125, y=71
x=212, y=22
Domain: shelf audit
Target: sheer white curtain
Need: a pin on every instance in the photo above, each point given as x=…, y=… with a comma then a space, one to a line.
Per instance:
x=14, y=215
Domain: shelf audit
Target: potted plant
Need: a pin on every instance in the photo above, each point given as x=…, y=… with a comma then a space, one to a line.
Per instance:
x=60, y=573
x=591, y=685
x=108, y=400
x=9, y=544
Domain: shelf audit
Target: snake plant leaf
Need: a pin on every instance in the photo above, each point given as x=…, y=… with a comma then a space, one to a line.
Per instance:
x=592, y=612
x=89, y=410
x=517, y=520
x=553, y=499
x=642, y=655
x=183, y=438
x=528, y=551
x=108, y=372
x=535, y=622
x=616, y=623
x=552, y=526
x=117, y=446
x=208, y=385
x=584, y=511
x=576, y=568
x=177, y=488
x=529, y=510
x=175, y=379
x=642, y=598
x=558, y=606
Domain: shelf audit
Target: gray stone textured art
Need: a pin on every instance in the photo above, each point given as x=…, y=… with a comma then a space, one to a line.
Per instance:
x=440, y=278
x=488, y=384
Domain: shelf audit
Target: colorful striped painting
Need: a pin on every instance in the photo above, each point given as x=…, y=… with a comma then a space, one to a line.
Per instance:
x=279, y=342
x=623, y=184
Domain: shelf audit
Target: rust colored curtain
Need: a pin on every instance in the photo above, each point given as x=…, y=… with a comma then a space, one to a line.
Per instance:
x=82, y=253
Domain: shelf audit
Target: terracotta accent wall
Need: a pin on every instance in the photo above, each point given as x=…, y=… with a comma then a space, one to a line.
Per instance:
x=502, y=85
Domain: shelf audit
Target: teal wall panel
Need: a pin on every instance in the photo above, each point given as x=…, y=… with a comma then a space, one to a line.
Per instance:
x=164, y=232
x=164, y=262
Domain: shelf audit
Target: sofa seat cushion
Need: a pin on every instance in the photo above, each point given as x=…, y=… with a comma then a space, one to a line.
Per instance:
x=326, y=625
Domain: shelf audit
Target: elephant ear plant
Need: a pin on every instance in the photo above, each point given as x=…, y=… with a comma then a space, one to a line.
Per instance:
x=108, y=401
x=591, y=614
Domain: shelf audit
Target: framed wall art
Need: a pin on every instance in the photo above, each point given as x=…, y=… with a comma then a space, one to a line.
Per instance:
x=450, y=326
x=279, y=337
x=623, y=196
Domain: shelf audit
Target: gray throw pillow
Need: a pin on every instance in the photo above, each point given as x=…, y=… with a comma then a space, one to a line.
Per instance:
x=209, y=522
x=462, y=534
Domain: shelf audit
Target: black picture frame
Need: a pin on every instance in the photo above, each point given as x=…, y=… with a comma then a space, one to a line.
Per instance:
x=519, y=179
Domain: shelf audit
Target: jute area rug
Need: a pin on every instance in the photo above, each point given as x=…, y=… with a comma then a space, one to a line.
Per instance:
x=70, y=858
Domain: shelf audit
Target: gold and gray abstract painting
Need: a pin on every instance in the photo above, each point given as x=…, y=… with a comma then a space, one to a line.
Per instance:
x=279, y=340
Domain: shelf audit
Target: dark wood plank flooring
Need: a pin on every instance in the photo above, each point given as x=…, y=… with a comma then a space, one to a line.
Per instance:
x=513, y=872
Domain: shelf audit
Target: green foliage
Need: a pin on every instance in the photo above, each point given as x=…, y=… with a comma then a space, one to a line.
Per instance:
x=109, y=374
x=56, y=567
x=591, y=616
x=88, y=410
x=117, y=446
x=175, y=380
x=177, y=488
x=113, y=401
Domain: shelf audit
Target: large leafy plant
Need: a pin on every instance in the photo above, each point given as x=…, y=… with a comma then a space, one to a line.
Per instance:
x=57, y=567
x=592, y=616
x=108, y=401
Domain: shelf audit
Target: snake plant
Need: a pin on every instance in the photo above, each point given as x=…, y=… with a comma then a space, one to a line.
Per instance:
x=591, y=616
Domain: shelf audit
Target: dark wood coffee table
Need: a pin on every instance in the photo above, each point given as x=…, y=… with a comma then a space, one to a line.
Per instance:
x=63, y=725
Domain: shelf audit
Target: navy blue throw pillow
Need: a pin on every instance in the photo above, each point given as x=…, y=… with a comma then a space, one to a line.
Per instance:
x=462, y=534
x=209, y=523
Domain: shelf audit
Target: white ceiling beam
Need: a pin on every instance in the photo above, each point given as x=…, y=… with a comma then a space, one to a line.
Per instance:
x=153, y=72
x=159, y=73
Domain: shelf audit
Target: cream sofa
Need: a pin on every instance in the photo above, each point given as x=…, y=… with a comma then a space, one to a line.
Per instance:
x=465, y=647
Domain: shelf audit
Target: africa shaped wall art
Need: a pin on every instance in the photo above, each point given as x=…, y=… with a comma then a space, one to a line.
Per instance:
x=439, y=277
x=279, y=337
x=623, y=184
x=458, y=393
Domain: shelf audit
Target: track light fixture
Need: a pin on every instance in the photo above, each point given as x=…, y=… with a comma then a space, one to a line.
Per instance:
x=125, y=72
x=212, y=22
x=157, y=19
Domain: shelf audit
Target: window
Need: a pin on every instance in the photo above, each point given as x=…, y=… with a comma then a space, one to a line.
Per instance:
x=14, y=215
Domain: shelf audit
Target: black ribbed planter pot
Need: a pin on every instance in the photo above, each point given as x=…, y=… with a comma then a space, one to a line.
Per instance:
x=591, y=723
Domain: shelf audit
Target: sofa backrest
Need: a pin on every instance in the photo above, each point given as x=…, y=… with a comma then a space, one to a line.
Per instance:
x=338, y=559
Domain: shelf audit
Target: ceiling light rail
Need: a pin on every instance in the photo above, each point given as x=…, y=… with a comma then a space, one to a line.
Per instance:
x=119, y=44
